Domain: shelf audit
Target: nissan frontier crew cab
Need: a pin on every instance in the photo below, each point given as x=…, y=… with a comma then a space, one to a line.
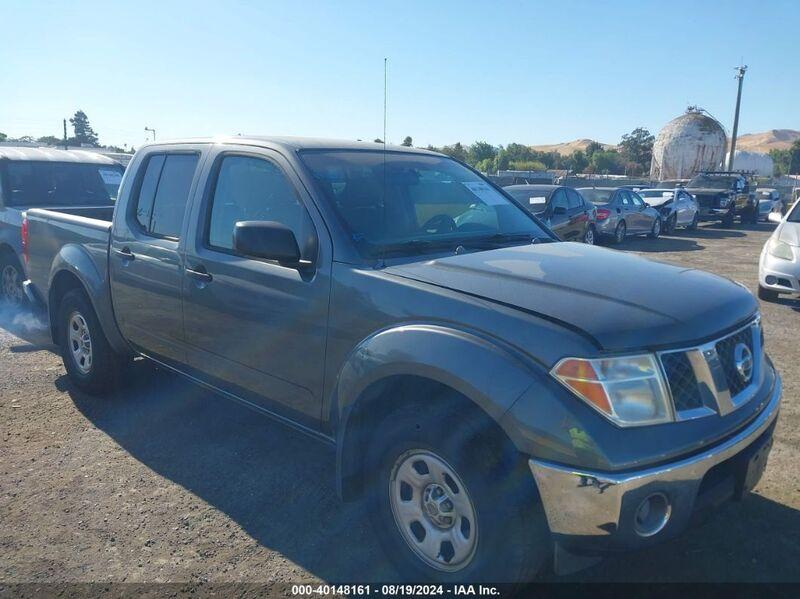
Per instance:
x=490, y=394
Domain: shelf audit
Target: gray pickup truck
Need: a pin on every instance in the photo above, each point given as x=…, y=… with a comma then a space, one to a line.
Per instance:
x=491, y=394
x=70, y=181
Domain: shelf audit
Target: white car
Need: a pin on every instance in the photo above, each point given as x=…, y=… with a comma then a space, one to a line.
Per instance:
x=779, y=267
x=676, y=206
x=769, y=201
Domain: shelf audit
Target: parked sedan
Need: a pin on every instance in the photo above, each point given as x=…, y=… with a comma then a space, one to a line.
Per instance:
x=564, y=209
x=622, y=212
x=769, y=200
x=779, y=266
x=677, y=206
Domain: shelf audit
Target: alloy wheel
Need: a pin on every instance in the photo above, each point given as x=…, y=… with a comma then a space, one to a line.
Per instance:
x=433, y=510
x=80, y=342
x=621, y=229
x=12, y=285
x=589, y=237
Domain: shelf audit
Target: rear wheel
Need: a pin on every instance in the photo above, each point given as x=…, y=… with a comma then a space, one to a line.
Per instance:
x=91, y=363
x=620, y=232
x=590, y=237
x=450, y=501
x=11, y=278
x=768, y=295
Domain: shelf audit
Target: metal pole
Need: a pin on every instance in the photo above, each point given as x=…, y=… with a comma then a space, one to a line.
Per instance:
x=65, y=134
x=153, y=131
x=740, y=71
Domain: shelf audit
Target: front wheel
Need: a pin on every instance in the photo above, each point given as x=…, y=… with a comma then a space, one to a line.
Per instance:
x=728, y=219
x=693, y=225
x=92, y=365
x=450, y=502
x=655, y=232
x=671, y=225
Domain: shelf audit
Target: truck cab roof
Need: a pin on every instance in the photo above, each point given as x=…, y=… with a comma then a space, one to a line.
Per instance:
x=28, y=154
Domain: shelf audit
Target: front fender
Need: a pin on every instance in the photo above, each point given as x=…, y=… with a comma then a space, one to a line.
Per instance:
x=486, y=371
x=76, y=260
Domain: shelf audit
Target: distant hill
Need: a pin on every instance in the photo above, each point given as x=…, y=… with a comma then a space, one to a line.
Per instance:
x=774, y=139
x=567, y=148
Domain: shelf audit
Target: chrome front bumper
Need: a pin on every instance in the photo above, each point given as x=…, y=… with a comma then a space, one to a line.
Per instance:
x=586, y=505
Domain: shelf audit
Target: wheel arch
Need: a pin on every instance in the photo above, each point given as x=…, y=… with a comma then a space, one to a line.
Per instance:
x=427, y=362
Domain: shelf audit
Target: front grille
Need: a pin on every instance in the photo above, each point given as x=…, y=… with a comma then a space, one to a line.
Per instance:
x=706, y=200
x=682, y=381
x=725, y=351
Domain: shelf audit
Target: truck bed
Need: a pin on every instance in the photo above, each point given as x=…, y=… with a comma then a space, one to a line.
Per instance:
x=52, y=232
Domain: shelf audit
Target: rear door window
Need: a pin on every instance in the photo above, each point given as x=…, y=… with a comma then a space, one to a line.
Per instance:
x=164, y=192
x=575, y=200
x=559, y=199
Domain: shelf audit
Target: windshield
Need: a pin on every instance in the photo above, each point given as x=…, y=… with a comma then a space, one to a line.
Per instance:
x=597, y=196
x=794, y=215
x=61, y=183
x=534, y=199
x=713, y=182
x=655, y=193
x=396, y=203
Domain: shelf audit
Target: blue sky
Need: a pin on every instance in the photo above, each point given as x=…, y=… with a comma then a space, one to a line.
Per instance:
x=531, y=72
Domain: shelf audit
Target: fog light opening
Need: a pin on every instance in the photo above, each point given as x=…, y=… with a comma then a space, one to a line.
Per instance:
x=770, y=280
x=652, y=515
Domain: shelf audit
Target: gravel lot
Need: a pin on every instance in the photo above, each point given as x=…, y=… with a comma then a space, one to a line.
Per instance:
x=166, y=482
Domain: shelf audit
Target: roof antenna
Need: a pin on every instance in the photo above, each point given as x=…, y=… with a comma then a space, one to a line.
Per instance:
x=385, y=103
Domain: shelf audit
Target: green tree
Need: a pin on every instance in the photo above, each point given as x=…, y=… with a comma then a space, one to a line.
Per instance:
x=780, y=160
x=480, y=151
x=49, y=140
x=637, y=147
x=84, y=134
x=456, y=151
x=487, y=165
x=407, y=141
x=592, y=148
x=606, y=162
x=576, y=162
x=378, y=140
x=526, y=165
x=3, y=136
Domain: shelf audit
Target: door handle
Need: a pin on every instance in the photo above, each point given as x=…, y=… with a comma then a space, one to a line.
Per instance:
x=125, y=254
x=199, y=274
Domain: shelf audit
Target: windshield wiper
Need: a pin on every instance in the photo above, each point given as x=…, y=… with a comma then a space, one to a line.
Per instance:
x=415, y=246
x=505, y=238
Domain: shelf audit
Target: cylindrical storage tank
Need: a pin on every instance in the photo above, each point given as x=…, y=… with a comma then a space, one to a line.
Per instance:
x=691, y=143
x=760, y=164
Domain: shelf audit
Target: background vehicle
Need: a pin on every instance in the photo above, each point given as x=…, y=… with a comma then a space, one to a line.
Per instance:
x=563, y=209
x=480, y=383
x=769, y=200
x=622, y=212
x=723, y=196
x=73, y=181
x=779, y=266
x=677, y=207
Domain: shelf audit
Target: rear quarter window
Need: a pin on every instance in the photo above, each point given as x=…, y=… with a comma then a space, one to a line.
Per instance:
x=164, y=192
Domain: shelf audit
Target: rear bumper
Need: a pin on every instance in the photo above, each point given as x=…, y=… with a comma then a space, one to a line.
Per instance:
x=596, y=512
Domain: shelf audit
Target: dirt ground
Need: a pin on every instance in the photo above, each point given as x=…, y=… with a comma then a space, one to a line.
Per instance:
x=166, y=482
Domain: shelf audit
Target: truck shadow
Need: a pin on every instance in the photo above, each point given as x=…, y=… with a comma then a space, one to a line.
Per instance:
x=279, y=486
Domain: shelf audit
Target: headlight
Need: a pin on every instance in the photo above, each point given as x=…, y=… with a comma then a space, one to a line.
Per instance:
x=780, y=250
x=629, y=391
x=724, y=201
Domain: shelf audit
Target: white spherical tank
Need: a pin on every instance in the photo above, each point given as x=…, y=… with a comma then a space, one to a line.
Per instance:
x=760, y=164
x=691, y=143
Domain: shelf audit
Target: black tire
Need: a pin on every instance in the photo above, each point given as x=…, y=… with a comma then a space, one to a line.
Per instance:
x=754, y=215
x=768, y=295
x=670, y=225
x=655, y=232
x=693, y=225
x=590, y=237
x=11, y=278
x=511, y=538
x=728, y=219
x=101, y=372
x=620, y=232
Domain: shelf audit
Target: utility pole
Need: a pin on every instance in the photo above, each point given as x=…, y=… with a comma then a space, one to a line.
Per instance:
x=153, y=131
x=385, y=96
x=740, y=71
x=65, y=134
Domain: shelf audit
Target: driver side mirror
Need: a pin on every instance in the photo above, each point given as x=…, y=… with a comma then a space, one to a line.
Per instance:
x=268, y=240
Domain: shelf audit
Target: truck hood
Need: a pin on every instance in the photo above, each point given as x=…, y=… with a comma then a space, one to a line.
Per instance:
x=623, y=302
x=708, y=190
